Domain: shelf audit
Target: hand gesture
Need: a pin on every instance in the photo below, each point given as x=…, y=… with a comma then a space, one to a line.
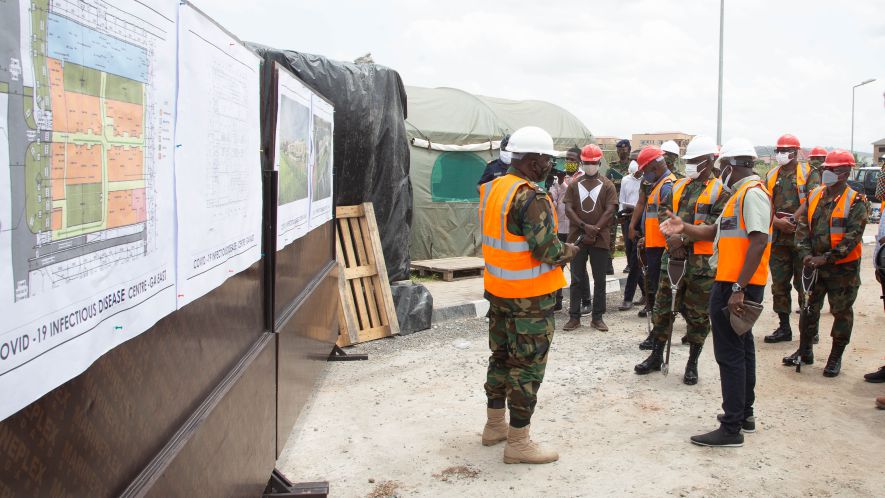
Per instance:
x=736, y=303
x=673, y=225
x=784, y=225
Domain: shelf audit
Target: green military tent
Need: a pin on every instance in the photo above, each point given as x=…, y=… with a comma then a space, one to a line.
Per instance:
x=453, y=135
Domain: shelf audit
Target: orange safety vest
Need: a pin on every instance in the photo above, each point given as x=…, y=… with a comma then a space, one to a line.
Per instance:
x=802, y=171
x=838, y=220
x=703, y=207
x=653, y=235
x=511, y=270
x=734, y=241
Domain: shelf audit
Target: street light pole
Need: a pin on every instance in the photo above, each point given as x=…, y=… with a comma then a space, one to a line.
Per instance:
x=721, y=38
x=852, y=109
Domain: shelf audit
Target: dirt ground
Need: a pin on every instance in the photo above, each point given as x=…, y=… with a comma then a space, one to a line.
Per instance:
x=408, y=421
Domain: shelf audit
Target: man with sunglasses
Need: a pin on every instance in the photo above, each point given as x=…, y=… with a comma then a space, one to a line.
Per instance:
x=524, y=259
x=828, y=241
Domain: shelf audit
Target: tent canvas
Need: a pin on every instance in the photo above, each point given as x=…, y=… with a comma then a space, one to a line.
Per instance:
x=453, y=135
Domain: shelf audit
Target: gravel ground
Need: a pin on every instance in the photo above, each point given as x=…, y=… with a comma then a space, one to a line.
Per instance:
x=408, y=421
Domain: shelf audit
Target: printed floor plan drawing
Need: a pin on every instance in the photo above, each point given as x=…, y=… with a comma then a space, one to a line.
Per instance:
x=78, y=93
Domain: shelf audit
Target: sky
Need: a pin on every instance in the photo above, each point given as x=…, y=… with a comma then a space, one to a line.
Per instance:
x=620, y=66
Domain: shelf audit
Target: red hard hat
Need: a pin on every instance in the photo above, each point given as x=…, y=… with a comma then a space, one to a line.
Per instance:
x=818, y=152
x=838, y=158
x=591, y=153
x=648, y=154
x=788, y=141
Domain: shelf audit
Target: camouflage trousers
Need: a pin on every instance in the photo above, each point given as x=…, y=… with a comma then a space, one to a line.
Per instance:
x=785, y=267
x=840, y=284
x=692, y=299
x=520, y=334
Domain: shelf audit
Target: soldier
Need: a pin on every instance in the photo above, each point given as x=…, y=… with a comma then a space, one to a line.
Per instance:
x=741, y=252
x=697, y=199
x=616, y=171
x=523, y=257
x=829, y=242
x=815, y=158
x=656, y=189
x=789, y=184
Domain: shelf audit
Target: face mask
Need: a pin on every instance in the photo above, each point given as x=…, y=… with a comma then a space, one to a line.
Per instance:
x=591, y=169
x=693, y=170
x=783, y=158
x=505, y=156
x=571, y=167
x=829, y=178
x=633, y=168
x=726, y=179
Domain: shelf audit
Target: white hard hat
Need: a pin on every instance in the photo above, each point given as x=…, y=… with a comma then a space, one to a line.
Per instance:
x=531, y=139
x=700, y=145
x=737, y=147
x=670, y=146
x=633, y=168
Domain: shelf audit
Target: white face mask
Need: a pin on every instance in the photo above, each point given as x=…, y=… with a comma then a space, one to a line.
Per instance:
x=829, y=178
x=726, y=179
x=591, y=169
x=692, y=170
x=783, y=158
x=505, y=156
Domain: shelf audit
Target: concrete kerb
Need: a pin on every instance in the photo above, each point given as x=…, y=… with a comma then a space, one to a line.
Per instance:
x=479, y=308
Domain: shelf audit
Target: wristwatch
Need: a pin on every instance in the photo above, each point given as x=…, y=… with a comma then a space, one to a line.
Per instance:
x=736, y=287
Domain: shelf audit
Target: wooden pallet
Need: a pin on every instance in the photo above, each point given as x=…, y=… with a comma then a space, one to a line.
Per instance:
x=366, y=311
x=450, y=268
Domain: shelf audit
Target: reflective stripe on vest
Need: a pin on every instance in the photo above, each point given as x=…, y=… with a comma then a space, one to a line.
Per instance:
x=702, y=208
x=802, y=171
x=734, y=241
x=653, y=235
x=838, y=220
x=511, y=270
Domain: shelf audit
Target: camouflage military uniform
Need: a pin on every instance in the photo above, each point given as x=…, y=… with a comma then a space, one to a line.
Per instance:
x=839, y=282
x=693, y=295
x=814, y=174
x=521, y=330
x=784, y=263
x=616, y=171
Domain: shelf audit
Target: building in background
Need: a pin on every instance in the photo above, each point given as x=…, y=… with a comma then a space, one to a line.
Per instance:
x=641, y=140
x=878, y=150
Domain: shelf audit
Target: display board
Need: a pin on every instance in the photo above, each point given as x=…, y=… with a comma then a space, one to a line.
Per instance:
x=87, y=227
x=322, y=128
x=217, y=156
x=292, y=157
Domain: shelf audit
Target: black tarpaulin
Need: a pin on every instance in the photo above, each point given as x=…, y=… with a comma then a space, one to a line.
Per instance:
x=371, y=150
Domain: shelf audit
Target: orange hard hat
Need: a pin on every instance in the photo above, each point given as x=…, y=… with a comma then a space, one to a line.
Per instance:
x=838, y=158
x=591, y=153
x=788, y=141
x=818, y=152
x=648, y=154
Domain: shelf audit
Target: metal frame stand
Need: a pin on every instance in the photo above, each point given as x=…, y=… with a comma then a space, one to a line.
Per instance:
x=280, y=487
x=338, y=354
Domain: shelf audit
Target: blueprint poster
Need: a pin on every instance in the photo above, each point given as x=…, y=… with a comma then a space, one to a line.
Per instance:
x=217, y=157
x=87, y=228
x=291, y=160
x=321, y=175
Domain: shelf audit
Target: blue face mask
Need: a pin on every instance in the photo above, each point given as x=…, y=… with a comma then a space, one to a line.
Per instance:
x=649, y=177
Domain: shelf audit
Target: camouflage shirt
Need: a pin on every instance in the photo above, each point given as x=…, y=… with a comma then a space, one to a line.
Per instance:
x=616, y=171
x=690, y=195
x=785, y=197
x=537, y=223
x=813, y=236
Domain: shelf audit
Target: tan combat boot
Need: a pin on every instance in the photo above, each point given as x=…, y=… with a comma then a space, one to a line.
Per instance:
x=521, y=449
x=496, y=427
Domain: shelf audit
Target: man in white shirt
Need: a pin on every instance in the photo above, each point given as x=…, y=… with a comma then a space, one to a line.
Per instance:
x=627, y=199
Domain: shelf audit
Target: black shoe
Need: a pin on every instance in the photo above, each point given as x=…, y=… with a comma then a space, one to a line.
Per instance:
x=653, y=362
x=780, y=335
x=806, y=356
x=690, y=377
x=627, y=269
x=834, y=362
x=876, y=377
x=643, y=313
x=685, y=339
x=816, y=339
x=649, y=343
x=720, y=439
x=748, y=425
x=557, y=306
x=586, y=310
